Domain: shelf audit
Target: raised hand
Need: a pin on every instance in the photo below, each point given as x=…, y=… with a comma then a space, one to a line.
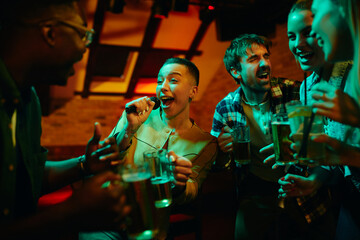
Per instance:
x=225, y=140
x=102, y=155
x=143, y=107
x=268, y=150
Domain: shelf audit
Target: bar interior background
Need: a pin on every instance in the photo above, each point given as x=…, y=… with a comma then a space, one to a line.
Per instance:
x=134, y=37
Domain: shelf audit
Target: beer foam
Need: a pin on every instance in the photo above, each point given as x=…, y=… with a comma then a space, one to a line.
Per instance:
x=135, y=177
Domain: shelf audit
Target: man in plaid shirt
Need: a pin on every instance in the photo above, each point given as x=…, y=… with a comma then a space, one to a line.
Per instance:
x=248, y=61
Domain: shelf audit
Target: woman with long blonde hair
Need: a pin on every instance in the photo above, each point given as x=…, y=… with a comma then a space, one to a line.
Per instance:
x=336, y=27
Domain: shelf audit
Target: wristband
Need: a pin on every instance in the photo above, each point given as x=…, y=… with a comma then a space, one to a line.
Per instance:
x=83, y=172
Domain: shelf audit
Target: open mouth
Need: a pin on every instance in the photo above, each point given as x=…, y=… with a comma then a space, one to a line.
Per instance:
x=166, y=101
x=263, y=75
x=304, y=56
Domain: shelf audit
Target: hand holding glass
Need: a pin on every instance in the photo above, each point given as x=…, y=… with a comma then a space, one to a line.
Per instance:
x=241, y=144
x=161, y=176
x=141, y=223
x=299, y=118
x=280, y=132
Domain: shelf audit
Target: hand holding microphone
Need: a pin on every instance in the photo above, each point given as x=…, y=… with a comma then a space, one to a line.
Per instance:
x=133, y=108
x=138, y=111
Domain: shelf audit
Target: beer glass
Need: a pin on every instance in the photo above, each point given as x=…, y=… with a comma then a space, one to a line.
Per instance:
x=161, y=176
x=280, y=132
x=300, y=117
x=241, y=143
x=141, y=222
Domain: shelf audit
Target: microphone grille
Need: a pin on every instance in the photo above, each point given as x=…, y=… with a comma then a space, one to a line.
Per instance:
x=157, y=102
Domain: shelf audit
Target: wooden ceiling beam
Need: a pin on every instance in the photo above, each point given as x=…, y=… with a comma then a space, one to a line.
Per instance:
x=151, y=31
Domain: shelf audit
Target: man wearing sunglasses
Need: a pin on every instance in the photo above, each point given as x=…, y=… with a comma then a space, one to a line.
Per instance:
x=40, y=41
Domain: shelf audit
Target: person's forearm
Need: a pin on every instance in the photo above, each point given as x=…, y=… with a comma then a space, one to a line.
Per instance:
x=61, y=173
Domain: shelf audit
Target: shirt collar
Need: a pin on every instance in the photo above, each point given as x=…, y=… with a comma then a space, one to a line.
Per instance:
x=312, y=80
x=237, y=96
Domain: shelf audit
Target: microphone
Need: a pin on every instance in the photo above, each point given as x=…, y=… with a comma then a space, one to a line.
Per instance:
x=132, y=108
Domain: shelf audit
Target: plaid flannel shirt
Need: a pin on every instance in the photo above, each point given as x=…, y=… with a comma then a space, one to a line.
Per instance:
x=314, y=205
x=229, y=111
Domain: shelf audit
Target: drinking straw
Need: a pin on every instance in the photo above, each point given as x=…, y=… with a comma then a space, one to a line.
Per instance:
x=305, y=99
x=306, y=132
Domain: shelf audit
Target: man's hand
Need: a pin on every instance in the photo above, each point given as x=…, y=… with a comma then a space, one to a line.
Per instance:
x=182, y=169
x=100, y=156
x=269, y=150
x=225, y=140
x=335, y=104
x=287, y=152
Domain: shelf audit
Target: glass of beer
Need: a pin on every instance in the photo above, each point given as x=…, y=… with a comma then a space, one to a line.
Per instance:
x=141, y=223
x=161, y=176
x=241, y=143
x=299, y=118
x=280, y=132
